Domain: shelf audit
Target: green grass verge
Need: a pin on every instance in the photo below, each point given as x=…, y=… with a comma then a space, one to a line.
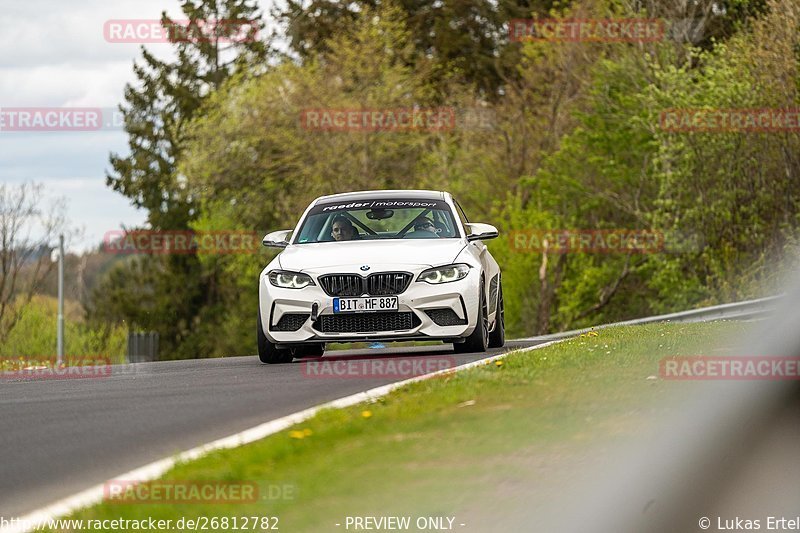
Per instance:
x=446, y=443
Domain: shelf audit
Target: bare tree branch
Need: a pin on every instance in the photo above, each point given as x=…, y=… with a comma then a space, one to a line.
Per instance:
x=27, y=231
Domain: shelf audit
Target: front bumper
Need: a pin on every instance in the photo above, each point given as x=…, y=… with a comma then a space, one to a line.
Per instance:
x=453, y=305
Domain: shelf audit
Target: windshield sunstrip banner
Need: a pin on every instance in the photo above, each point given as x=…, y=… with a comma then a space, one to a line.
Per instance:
x=380, y=204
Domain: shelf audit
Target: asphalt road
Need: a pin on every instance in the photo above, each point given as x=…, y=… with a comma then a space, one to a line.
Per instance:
x=59, y=437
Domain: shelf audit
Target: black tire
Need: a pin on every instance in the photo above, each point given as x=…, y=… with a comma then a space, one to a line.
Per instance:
x=309, y=350
x=497, y=338
x=268, y=353
x=478, y=340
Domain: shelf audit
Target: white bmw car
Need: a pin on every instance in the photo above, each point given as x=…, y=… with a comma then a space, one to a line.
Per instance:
x=380, y=266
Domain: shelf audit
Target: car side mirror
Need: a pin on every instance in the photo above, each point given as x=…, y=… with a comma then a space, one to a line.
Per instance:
x=277, y=239
x=481, y=232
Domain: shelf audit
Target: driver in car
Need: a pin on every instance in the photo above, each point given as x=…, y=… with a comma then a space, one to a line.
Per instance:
x=426, y=224
x=342, y=229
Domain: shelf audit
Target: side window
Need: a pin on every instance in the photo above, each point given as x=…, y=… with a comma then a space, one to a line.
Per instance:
x=444, y=222
x=462, y=216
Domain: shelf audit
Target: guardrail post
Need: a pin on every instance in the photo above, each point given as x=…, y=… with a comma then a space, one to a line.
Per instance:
x=142, y=346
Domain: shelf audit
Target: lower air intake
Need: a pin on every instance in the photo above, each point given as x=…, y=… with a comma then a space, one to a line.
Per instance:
x=290, y=322
x=446, y=317
x=366, y=322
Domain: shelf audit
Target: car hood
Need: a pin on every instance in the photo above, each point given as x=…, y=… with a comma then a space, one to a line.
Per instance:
x=428, y=252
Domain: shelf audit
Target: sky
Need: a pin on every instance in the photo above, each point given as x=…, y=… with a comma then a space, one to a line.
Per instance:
x=54, y=53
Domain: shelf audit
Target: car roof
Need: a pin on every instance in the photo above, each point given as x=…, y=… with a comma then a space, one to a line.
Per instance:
x=381, y=194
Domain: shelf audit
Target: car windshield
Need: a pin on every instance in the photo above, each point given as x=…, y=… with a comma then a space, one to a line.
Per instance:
x=378, y=219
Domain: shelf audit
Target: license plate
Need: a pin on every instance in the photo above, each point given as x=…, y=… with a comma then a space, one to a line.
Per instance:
x=365, y=305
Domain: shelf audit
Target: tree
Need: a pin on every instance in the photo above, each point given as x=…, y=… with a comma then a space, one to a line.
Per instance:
x=156, y=114
x=469, y=36
x=27, y=234
x=168, y=94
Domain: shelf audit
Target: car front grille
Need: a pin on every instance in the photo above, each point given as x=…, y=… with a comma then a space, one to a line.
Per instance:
x=378, y=284
x=342, y=284
x=366, y=322
x=445, y=317
x=290, y=322
x=385, y=283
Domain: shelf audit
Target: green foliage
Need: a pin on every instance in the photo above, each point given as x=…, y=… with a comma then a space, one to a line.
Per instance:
x=738, y=190
x=34, y=336
x=161, y=293
x=723, y=201
x=467, y=36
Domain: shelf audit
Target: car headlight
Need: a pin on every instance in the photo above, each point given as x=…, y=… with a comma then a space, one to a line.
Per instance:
x=289, y=280
x=444, y=274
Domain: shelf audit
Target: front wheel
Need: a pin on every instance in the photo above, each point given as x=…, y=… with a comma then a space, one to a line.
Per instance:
x=479, y=338
x=268, y=353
